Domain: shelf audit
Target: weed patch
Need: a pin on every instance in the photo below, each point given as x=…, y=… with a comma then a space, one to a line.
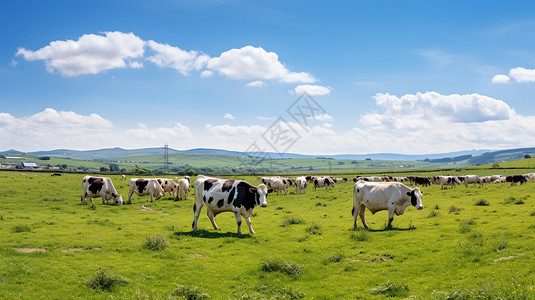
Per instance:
x=105, y=280
x=482, y=202
x=22, y=228
x=334, y=258
x=156, y=242
x=361, y=236
x=282, y=266
x=291, y=220
x=466, y=225
x=315, y=229
x=190, y=292
x=392, y=289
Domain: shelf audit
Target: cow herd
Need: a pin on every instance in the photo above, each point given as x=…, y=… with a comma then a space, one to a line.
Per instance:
x=240, y=197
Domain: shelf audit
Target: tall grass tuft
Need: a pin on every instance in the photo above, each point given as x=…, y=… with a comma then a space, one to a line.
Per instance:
x=291, y=220
x=282, y=266
x=22, y=228
x=104, y=280
x=392, y=289
x=482, y=202
x=361, y=235
x=156, y=242
x=190, y=292
x=315, y=229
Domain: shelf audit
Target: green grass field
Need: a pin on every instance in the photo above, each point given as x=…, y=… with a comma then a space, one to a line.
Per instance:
x=467, y=243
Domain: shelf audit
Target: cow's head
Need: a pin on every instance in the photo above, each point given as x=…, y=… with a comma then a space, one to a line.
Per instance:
x=416, y=198
x=261, y=194
x=118, y=200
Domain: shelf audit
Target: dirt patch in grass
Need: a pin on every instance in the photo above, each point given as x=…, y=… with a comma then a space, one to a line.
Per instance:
x=144, y=208
x=31, y=250
x=77, y=249
x=384, y=258
x=197, y=255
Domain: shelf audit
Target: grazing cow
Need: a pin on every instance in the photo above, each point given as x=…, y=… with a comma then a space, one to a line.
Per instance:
x=183, y=188
x=400, y=179
x=419, y=180
x=467, y=179
x=530, y=176
x=94, y=187
x=220, y=195
x=301, y=185
x=123, y=176
x=340, y=180
x=143, y=187
x=446, y=180
x=326, y=182
x=376, y=196
x=513, y=179
x=169, y=186
x=370, y=179
x=280, y=185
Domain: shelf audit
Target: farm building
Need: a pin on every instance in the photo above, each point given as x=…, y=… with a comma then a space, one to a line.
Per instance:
x=25, y=165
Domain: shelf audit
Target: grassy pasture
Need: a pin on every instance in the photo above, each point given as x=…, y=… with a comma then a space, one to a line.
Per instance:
x=467, y=242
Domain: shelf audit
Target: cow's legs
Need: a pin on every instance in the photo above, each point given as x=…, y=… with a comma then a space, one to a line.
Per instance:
x=390, y=217
x=129, y=198
x=238, y=221
x=211, y=217
x=362, y=210
x=247, y=216
x=196, y=212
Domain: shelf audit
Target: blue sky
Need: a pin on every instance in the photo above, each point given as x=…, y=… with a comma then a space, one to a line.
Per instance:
x=409, y=77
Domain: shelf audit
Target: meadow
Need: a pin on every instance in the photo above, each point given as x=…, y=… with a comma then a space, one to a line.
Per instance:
x=467, y=243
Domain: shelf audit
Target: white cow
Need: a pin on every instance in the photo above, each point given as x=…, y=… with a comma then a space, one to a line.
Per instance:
x=143, y=187
x=530, y=176
x=220, y=195
x=183, y=188
x=169, y=186
x=467, y=179
x=301, y=185
x=94, y=187
x=376, y=196
x=326, y=182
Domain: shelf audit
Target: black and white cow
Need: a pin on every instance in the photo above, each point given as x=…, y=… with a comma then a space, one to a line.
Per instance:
x=513, y=179
x=377, y=196
x=446, y=180
x=143, y=187
x=327, y=182
x=220, y=195
x=94, y=187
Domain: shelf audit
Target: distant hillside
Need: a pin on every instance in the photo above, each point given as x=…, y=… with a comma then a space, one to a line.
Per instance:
x=502, y=156
x=112, y=153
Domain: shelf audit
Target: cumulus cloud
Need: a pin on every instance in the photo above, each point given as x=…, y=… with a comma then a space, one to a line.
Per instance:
x=229, y=116
x=90, y=54
x=522, y=74
x=207, y=74
x=255, y=63
x=52, y=129
x=312, y=90
x=239, y=130
x=167, y=56
x=500, y=79
x=159, y=134
x=322, y=117
x=256, y=83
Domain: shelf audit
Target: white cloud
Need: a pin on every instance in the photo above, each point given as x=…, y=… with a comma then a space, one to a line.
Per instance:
x=257, y=83
x=90, y=54
x=236, y=131
x=52, y=129
x=206, y=74
x=312, y=90
x=176, y=58
x=159, y=134
x=522, y=74
x=255, y=63
x=322, y=117
x=266, y=118
x=229, y=116
x=500, y=79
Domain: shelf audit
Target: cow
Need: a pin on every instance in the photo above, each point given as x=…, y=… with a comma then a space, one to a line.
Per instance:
x=400, y=179
x=169, y=186
x=183, y=188
x=143, y=187
x=220, y=195
x=370, y=178
x=340, y=180
x=467, y=179
x=280, y=185
x=446, y=180
x=377, y=196
x=513, y=179
x=94, y=187
x=301, y=185
x=419, y=180
x=530, y=176
x=326, y=182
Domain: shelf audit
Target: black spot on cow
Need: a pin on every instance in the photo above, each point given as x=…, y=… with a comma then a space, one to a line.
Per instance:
x=194, y=207
x=220, y=203
x=227, y=185
x=204, y=199
x=210, y=200
x=208, y=183
x=245, y=197
x=95, y=184
x=141, y=184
